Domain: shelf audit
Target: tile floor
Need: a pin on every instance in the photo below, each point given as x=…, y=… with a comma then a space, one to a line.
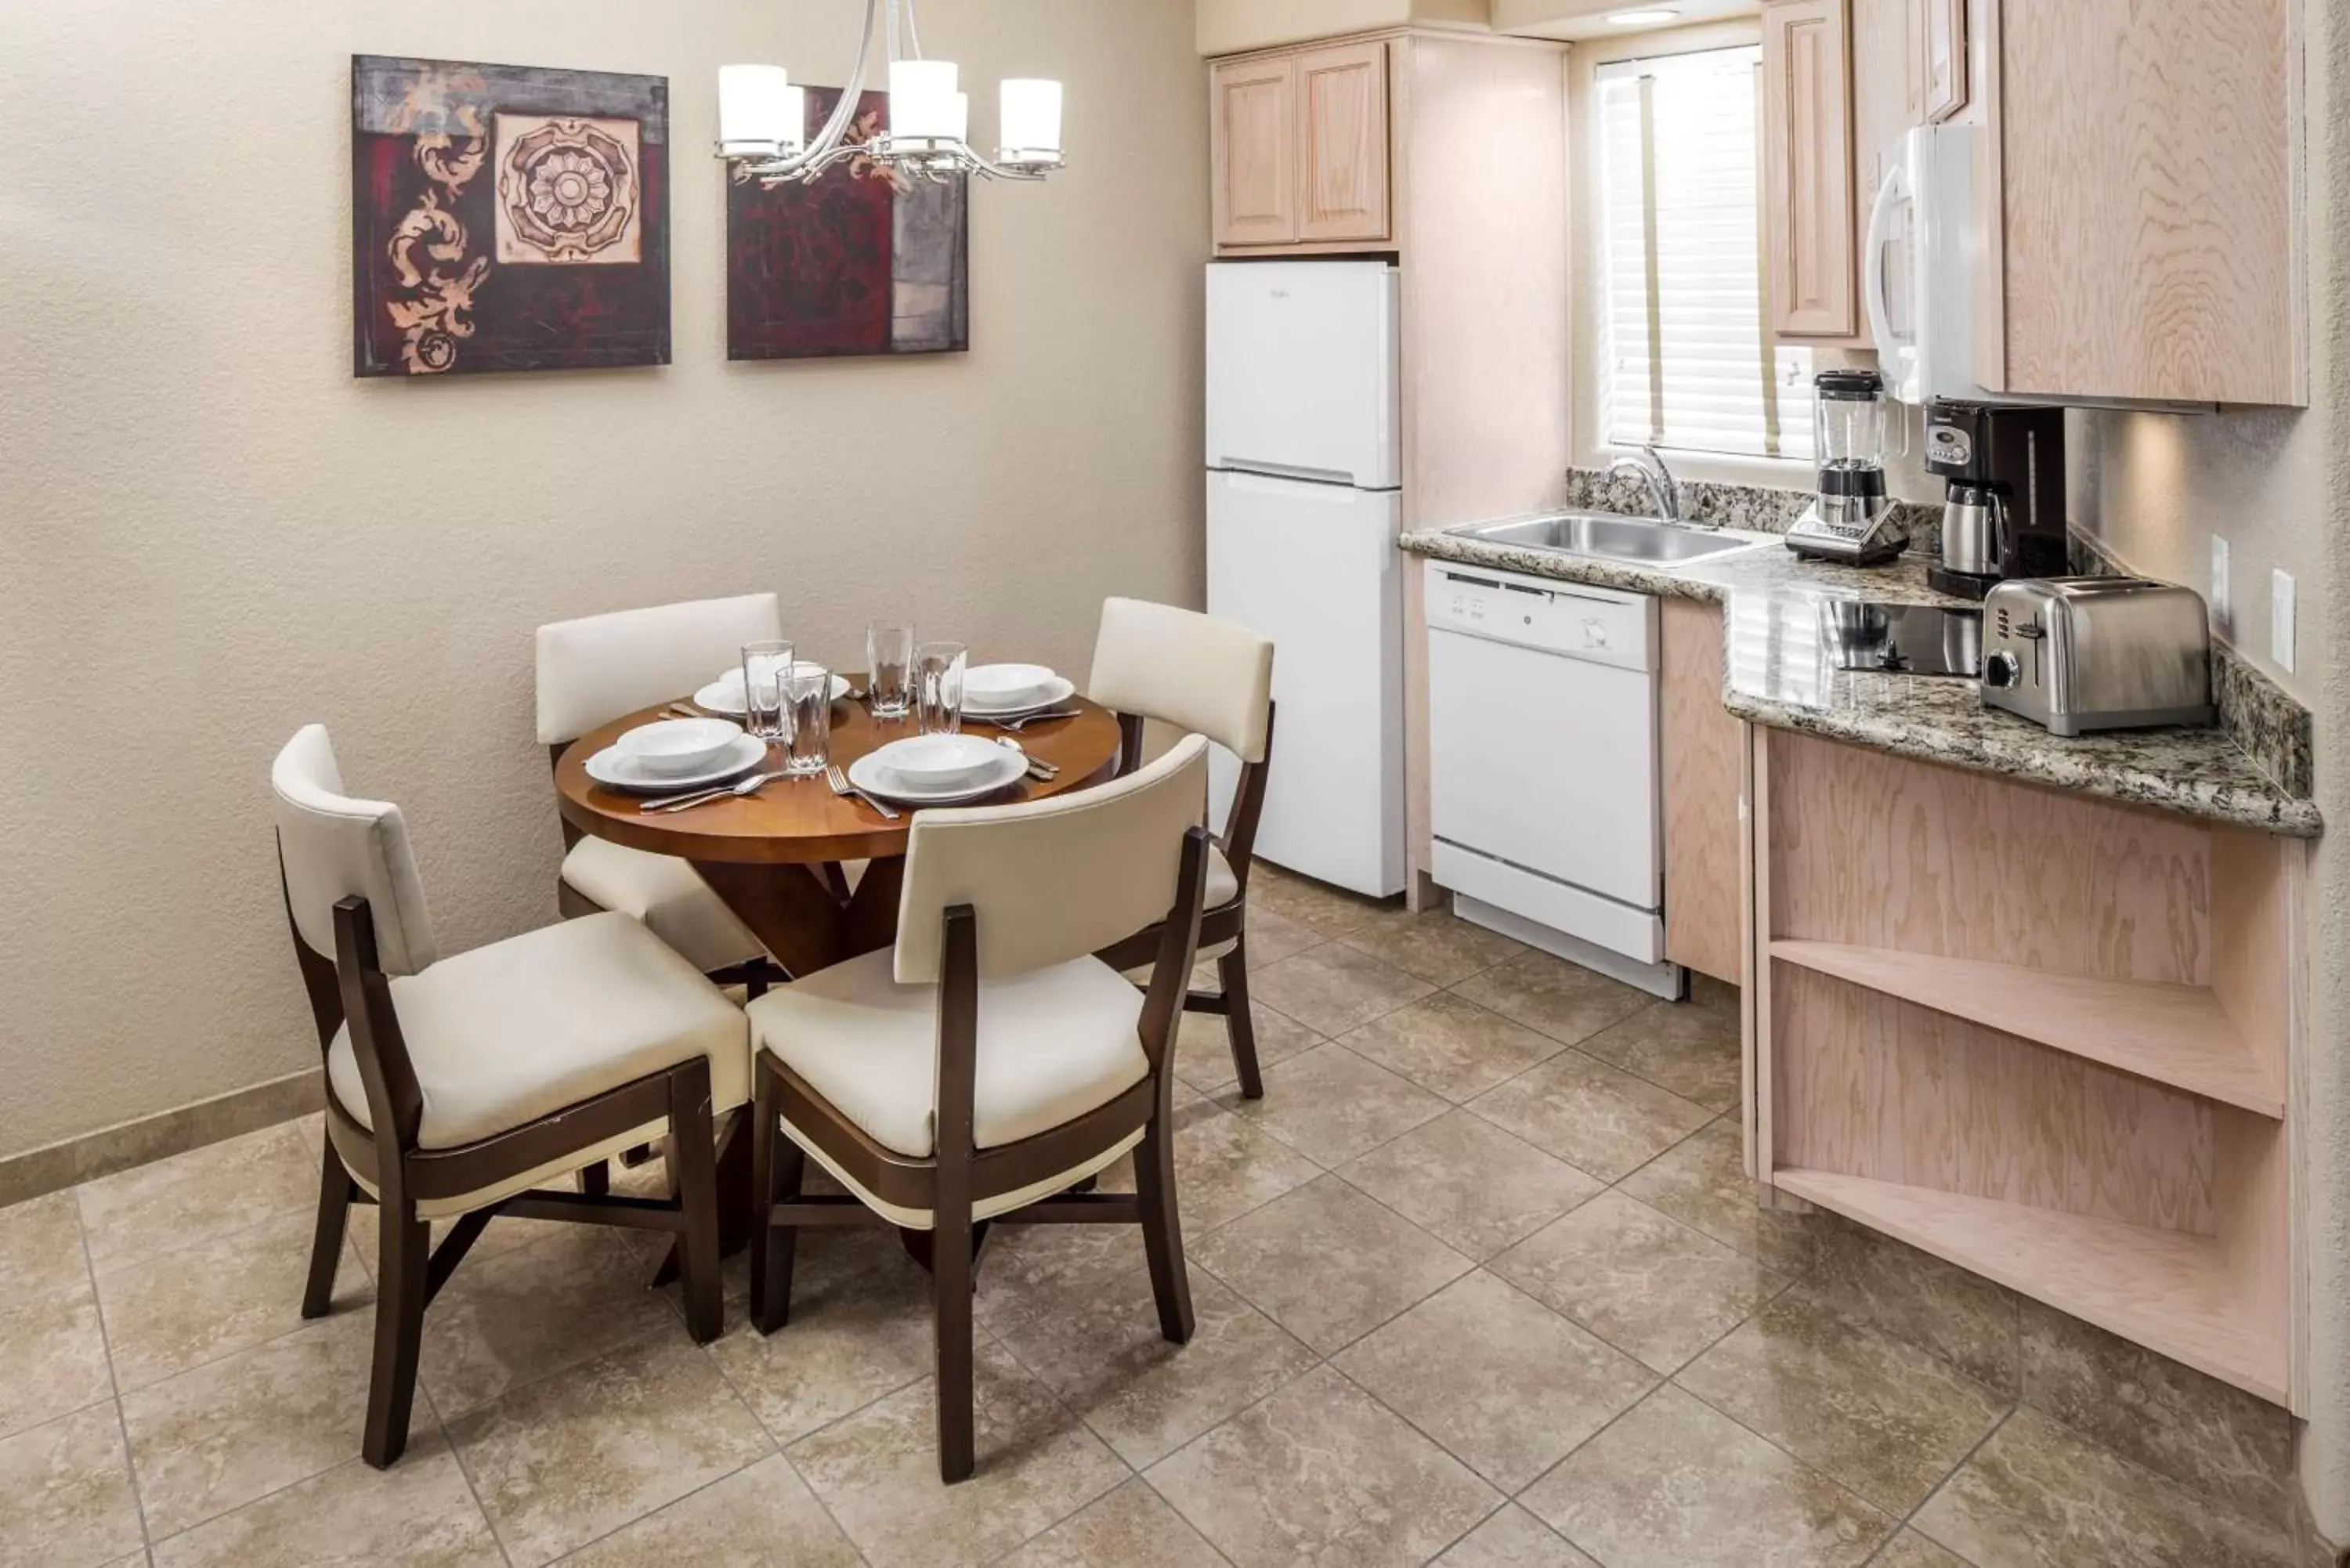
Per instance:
x=1478, y=1283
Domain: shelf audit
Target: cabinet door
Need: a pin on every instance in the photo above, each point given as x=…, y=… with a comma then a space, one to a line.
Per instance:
x=1889, y=93
x=1254, y=130
x=1342, y=139
x=1807, y=170
x=1945, y=58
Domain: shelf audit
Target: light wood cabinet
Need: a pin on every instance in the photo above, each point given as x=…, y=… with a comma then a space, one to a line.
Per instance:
x=1943, y=67
x=1303, y=149
x=1888, y=87
x=1809, y=202
x=1254, y=129
x=1704, y=760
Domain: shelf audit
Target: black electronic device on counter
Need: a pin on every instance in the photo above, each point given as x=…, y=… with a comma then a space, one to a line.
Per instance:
x=2005, y=516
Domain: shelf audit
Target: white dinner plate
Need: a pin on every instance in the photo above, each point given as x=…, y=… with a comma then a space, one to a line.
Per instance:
x=725, y=696
x=1059, y=692
x=876, y=779
x=614, y=768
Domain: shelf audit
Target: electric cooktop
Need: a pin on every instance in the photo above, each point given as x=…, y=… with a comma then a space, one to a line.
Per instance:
x=1903, y=640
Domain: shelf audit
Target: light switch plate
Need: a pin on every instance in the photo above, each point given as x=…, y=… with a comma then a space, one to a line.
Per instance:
x=2223, y=616
x=2283, y=614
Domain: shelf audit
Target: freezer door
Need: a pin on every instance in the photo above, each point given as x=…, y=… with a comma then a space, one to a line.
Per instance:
x=1314, y=568
x=1302, y=371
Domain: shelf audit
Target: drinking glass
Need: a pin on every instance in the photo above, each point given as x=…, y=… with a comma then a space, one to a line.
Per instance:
x=765, y=667
x=938, y=687
x=808, y=715
x=890, y=656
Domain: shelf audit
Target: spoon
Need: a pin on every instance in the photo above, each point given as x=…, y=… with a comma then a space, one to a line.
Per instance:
x=741, y=791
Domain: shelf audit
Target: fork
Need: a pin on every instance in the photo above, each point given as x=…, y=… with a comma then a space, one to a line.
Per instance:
x=1017, y=725
x=846, y=791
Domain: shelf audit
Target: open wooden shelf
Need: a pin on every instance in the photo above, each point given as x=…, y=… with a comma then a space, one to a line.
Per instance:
x=2165, y=1290
x=2173, y=1034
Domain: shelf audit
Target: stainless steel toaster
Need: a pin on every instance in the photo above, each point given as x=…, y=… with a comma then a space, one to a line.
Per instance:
x=2077, y=654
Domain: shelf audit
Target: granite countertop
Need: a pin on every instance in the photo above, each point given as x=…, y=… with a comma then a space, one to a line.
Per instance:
x=1778, y=673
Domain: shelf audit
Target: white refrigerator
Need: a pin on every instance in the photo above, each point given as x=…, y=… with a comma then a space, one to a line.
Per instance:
x=1305, y=501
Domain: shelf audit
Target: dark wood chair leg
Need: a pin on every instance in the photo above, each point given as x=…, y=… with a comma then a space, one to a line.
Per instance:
x=336, y=1188
x=403, y=1258
x=595, y=1180
x=1162, y=1231
x=690, y=1144
x=1239, y=1021
x=777, y=1168
x=951, y=1279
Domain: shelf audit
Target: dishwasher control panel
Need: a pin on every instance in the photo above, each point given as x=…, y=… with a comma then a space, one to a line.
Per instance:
x=1598, y=625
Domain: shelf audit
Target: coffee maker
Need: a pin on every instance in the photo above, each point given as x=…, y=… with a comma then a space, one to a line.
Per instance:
x=1856, y=429
x=2005, y=516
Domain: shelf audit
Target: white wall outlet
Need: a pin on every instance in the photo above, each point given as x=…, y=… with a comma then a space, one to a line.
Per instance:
x=2223, y=616
x=2282, y=615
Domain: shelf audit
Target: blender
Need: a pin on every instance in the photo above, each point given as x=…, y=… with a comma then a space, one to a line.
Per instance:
x=1853, y=523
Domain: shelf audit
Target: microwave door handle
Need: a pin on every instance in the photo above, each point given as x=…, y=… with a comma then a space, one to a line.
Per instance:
x=1872, y=254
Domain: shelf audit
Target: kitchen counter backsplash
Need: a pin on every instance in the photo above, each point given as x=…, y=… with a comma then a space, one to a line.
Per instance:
x=1761, y=509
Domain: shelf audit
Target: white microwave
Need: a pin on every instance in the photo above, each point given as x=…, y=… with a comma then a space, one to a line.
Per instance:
x=1918, y=266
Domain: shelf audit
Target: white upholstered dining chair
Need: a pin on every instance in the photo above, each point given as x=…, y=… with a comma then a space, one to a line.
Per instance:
x=594, y=670
x=457, y=1086
x=988, y=1064
x=1210, y=678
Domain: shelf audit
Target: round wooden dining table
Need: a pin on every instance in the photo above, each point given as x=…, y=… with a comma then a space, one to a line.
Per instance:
x=775, y=857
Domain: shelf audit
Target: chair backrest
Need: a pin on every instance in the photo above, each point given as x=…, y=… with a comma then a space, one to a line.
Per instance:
x=1210, y=677
x=332, y=846
x=593, y=670
x=1053, y=880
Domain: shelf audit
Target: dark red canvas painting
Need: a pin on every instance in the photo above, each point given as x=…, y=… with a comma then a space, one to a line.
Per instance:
x=506, y=218
x=865, y=261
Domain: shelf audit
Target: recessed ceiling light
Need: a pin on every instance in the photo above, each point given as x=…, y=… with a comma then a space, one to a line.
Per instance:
x=1645, y=16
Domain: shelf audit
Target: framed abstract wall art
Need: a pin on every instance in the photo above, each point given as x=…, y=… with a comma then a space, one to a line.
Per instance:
x=864, y=261
x=506, y=218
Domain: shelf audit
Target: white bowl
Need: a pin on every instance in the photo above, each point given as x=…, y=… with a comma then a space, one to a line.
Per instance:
x=675, y=746
x=939, y=761
x=998, y=687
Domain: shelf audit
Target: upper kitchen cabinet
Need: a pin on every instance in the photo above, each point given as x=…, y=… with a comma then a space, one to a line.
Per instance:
x=2141, y=203
x=1302, y=148
x=1231, y=27
x=1811, y=244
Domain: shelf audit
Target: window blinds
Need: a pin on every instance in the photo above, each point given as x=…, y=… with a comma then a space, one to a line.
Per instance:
x=1685, y=359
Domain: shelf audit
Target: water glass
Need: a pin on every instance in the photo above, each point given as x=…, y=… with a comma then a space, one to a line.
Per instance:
x=890, y=656
x=767, y=666
x=938, y=687
x=808, y=714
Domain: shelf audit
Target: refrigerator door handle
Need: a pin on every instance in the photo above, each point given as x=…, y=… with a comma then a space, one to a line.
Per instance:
x=1284, y=470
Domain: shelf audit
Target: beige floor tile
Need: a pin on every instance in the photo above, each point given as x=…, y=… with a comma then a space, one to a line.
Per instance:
x=1513, y=1537
x=1684, y=1046
x=508, y=1320
x=1332, y=989
x=52, y=1354
x=216, y=1437
x=1911, y=1549
x=1331, y=911
x=762, y=1516
x=565, y=1461
x=1505, y=1383
x=1437, y=945
x=420, y=1513
x=502, y=1235
x=1676, y=1485
x=1327, y=1264
x=1224, y=1168
x=1133, y=1527
x=1330, y=1104
x=1883, y=1417
x=854, y=1336
x=1271, y=936
x=1702, y=1182
x=1451, y=1046
x=1646, y=1284
x=1596, y=1118
x=40, y=1244
x=1204, y=1050
x=877, y=1471
x=2038, y=1494
x=202, y=1302
x=1323, y=1474
x=1564, y=1001
x=66, y=1498
x=202, y=1195
x=1026, y=1266
x=1469, y=1184
x=2170, y=1419
x=1872, y=1279
x=1103, y=1355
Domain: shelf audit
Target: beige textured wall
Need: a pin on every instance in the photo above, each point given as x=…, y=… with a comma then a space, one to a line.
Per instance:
x=210, y=532
x=1229, y=26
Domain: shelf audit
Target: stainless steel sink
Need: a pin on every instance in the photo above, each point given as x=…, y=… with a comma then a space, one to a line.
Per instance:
x=1642, y=541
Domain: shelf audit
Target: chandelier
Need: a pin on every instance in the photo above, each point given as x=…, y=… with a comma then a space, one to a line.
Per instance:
x=763, y=118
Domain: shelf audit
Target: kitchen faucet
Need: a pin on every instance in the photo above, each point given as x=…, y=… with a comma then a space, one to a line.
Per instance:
x=1662, y=491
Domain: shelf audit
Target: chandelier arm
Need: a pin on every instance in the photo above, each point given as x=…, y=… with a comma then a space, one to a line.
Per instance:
x=828, y=139
x=896, y=52
x=913, y=34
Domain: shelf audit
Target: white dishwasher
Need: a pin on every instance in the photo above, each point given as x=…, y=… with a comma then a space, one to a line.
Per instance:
x=1543, y=786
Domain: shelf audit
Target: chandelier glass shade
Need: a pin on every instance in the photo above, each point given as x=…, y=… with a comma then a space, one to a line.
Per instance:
x=763, y=116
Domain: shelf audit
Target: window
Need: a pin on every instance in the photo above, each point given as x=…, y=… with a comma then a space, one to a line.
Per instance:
x=1684, y=355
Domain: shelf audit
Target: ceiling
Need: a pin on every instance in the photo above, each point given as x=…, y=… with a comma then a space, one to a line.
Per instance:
x=1588, y=18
